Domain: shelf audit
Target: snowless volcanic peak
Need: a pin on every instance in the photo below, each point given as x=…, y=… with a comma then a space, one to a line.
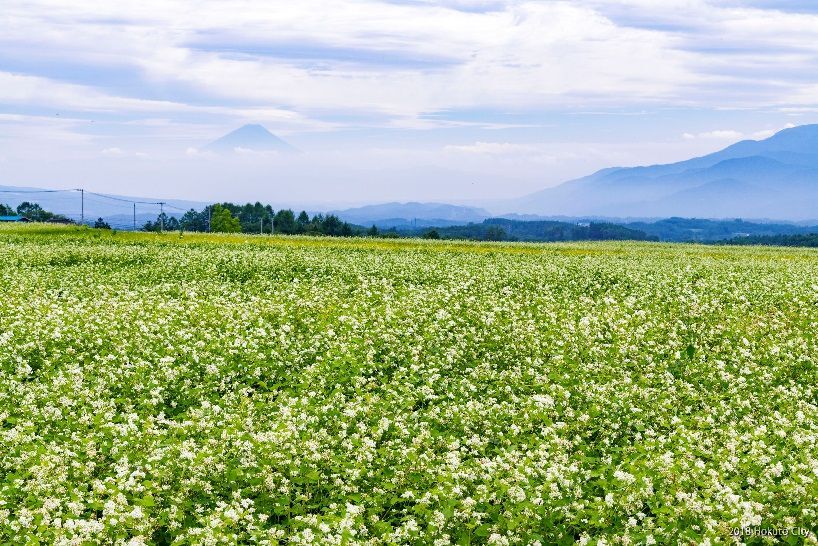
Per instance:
x=251, y=137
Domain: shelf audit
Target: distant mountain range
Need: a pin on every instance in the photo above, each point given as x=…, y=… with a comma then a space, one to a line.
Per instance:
x=772, y=179
x=776, y=178
x=253, y=138
x=390, y=215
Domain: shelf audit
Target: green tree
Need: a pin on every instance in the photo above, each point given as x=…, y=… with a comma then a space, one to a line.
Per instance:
x=332, y=225
x=163, y=223
x=172, y=224
x=222, y=221
x=101, y=224
x=595, y=232
x=303, y=222
x=495, y=233
x=284, y=222
x=193, y=220
x=31, y=210
x=6, y=210
x=373, y=231
x=35, y=212
x=431, y=234
x=314, y=227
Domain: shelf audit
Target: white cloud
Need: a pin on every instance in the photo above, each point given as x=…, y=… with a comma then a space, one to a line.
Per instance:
x=522, y=55
x=119, y=152
x=761, y=135
x=251, y=152
x=152, y=77
x=723, y=134
x=719, y=134
x=399, y=60
x=492, y=148
x=731, y=134
x=767, y=133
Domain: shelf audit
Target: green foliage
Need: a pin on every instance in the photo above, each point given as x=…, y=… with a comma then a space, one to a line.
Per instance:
x=222, y=221
x=431, y=234
x=36, y=213
x=31, y=210
x=253, y=217
x=500, y=229
x=163, y=222
x=101, y=224
x=806, y=240
x=284, y=222
x=495, y=233
x=193, y=220
x=695, y=229
x=303, y=221
x=200, y=390
x=258, y=218
x=6, y=210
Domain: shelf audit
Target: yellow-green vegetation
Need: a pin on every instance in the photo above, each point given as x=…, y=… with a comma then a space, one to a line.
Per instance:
x=222, y=389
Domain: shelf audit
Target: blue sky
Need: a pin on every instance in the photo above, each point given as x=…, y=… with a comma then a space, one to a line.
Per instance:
x=454, y=100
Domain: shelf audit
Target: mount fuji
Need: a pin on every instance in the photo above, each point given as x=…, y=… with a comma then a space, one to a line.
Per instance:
x=251, y=137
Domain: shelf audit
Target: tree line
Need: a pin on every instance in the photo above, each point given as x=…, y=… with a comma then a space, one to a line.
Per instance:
x=253, y=218
x=258, y=218
x=800, y=239
x=502, y=229
x=33, y=212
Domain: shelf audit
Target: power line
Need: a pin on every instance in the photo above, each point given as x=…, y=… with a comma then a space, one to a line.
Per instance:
x=127, y=200
x=35, y=191
x=104, y=196
x=83, y=193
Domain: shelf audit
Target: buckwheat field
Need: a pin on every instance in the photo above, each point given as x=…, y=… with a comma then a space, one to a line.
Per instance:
x=195, y=389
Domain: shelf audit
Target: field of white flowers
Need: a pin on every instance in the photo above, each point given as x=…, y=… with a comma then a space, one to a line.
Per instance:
x=159, y=389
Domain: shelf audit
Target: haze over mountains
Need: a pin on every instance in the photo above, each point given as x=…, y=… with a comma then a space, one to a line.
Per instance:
x=250, y=138
x=773, y=179
x=776, y=178
x=412, y=214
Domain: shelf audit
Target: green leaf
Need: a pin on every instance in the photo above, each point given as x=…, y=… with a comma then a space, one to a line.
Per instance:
x=482, y=531
x=147, y=501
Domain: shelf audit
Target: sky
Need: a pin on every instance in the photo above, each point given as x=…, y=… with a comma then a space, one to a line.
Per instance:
x=455, y=100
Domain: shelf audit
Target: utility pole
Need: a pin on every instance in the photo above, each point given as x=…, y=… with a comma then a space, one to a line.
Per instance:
x=82, y=206
x=209, y=210
x=134, y=216
x=261, y=226
x=161, y=217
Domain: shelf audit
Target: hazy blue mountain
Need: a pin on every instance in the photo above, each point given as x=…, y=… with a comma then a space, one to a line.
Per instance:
x=772, y=178
x=252, y=137
x=406, y=214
